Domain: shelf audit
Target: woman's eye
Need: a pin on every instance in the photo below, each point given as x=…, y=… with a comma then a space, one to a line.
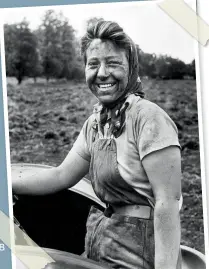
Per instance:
x=113, y=63
x=93, y=64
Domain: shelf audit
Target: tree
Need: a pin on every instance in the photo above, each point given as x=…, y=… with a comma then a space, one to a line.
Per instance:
x=162, y=66
x=21, y=50
x=93, y=20
x=191, y=69
x=58, y=46
x=146, y=63
x=69, y=50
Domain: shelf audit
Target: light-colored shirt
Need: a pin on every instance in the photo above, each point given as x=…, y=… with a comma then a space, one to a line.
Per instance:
x=148, y=128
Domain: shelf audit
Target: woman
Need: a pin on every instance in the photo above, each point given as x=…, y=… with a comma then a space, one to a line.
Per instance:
x=130, y=148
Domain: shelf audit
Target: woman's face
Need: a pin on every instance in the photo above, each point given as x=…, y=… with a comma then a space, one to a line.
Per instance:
x=107, y=70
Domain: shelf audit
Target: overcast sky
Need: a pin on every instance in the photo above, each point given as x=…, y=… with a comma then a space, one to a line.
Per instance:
x=152, y=29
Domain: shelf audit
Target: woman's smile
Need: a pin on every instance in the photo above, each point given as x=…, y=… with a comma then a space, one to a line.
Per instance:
x=107, y=70
x=105, y=85
x=107, y=88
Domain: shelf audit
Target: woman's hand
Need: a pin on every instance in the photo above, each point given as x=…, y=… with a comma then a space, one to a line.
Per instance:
x=52, y=180
x=163, y=169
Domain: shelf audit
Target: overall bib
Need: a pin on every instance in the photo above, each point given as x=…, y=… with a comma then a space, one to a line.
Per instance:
x=116, y=240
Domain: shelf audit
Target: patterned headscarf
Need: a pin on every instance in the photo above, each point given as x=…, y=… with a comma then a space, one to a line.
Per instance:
x=114, y=115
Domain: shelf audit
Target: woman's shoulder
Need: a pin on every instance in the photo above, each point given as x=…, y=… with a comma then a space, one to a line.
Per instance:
x=140, y=108
x=152, y=127
x=144, y=112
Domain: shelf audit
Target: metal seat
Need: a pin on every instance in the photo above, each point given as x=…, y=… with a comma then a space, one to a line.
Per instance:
x=192, y=259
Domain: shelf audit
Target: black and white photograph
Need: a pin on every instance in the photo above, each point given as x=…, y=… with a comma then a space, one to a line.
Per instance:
x=102, y=103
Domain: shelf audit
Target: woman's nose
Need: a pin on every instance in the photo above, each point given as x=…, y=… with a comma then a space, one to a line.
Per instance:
x=103, y=72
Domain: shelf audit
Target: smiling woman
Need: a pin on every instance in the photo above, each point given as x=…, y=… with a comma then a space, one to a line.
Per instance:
x=130, y=148
x=106, y=70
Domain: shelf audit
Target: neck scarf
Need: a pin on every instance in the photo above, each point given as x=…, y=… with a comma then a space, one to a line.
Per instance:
x=114, y=114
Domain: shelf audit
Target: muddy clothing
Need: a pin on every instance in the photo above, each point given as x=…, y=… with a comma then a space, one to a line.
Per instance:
x=118, y=178
x=147, y=129
x=115, y=240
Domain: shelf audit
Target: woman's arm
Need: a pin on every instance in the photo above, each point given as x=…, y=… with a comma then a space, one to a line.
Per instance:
x=163, y=169
x=51, y=180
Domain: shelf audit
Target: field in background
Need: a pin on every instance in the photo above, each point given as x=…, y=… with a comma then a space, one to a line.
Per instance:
x=44, y=121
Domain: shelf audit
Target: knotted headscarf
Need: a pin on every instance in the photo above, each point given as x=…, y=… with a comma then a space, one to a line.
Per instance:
x=114, y=114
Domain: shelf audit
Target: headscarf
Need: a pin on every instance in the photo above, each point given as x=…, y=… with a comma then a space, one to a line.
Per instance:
x=114, y=114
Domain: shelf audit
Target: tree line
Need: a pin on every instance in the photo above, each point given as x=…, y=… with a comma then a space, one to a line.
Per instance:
x=53, y=51
x=164, y=66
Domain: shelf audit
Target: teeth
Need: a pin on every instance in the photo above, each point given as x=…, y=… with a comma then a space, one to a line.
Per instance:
x=105, y=85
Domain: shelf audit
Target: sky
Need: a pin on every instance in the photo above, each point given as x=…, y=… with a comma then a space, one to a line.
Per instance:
x=149, y=26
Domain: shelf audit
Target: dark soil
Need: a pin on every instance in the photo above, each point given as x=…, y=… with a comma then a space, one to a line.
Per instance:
x=44, y=121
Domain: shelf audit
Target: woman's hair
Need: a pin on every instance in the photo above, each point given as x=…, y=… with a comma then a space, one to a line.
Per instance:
x=105, y=30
